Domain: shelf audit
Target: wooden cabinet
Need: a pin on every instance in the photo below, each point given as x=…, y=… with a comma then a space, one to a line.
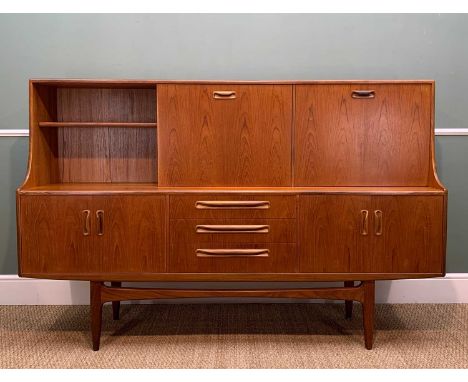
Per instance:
x=224, y=135
x=231, y=181
x=371, y=234
x=85, y=235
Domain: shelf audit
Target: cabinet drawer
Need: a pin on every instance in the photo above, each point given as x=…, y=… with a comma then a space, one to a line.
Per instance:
x=232, y=206
x=232, y=257
x=233, y=230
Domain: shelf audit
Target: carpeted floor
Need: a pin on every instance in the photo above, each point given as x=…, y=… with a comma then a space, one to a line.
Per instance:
x=235, y=336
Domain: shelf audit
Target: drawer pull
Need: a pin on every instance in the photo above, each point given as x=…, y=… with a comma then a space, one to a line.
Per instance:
x=378, y=222
x=232, y=228
x=363, y=94
x=100, y=222
x=364, y=222
x=86, y=229
x=232, y=204
x=224, y=94
x=233, y=252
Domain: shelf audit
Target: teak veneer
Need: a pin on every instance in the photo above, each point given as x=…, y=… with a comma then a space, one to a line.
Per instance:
x=231, y=181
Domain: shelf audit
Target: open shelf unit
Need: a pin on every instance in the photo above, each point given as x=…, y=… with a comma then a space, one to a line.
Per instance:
x=95, y=133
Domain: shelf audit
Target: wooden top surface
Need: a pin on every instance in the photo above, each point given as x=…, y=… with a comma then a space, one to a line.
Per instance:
x=150, y=188
x=150, y=83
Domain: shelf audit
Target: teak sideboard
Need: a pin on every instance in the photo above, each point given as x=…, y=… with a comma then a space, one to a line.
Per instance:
x=231, y=181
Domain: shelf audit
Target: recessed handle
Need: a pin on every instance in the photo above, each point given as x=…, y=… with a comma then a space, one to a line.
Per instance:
x=100, y=222
x=360, y=94
x=232, y=204
x=378, y=222
x=224, y=94
x=86, y=228
x=364, y=222
x=232, y=252
x=241, y=228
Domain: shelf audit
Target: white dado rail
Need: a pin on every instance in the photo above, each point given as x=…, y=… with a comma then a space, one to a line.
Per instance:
x=25, y=132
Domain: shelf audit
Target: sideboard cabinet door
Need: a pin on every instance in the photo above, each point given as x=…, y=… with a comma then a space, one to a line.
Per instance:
x=130, y=233
x=407, y=235
x=224, y=135
x=331, y=229
x=362, y=134
x=56, y=235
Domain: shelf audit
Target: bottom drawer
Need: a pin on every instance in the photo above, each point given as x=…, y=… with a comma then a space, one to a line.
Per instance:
x=232, y=258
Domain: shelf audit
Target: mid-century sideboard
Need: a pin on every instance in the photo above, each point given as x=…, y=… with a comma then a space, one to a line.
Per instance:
x=231, y=181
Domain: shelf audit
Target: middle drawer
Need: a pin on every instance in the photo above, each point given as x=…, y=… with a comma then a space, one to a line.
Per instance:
x=232, y=231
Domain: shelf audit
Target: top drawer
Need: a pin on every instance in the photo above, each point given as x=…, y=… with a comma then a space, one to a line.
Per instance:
x=232, y=206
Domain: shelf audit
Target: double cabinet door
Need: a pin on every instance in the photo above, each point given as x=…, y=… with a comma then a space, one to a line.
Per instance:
x=371, y=234
x=91, y=234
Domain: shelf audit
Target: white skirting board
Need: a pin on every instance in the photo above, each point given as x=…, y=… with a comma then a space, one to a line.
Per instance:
x=21, y=291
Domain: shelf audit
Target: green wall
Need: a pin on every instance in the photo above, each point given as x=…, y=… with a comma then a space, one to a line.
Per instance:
x=291, y=46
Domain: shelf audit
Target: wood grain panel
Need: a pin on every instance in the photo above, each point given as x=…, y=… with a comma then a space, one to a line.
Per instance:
x=344, y=141
x=107, y=154
x=244, y=141
x=279, y=231
x=329, y=233
x=51, y=232
x=412, y=236
x=134, y=237
x=280, y=206
x=282, y=257
x=43, y=165
x=106, y=105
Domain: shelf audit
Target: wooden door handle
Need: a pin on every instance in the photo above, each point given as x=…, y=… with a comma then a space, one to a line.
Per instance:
x=378, y=222
x=363, y=94
x=364, y=222
x=232, y=252
x=100, y=222
x=241, y=228
x=224, y=94
x=86, y=228
x=232, y=204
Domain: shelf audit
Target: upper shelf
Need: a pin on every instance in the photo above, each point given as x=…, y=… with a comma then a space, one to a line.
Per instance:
x=97, y=124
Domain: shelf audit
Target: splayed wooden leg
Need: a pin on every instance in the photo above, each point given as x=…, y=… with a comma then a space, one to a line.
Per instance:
x=368, y=307
x=96, y=313
x=116, y=304
x=348, y=303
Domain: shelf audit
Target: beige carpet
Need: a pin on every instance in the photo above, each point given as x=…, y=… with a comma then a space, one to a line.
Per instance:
x=235, y=336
